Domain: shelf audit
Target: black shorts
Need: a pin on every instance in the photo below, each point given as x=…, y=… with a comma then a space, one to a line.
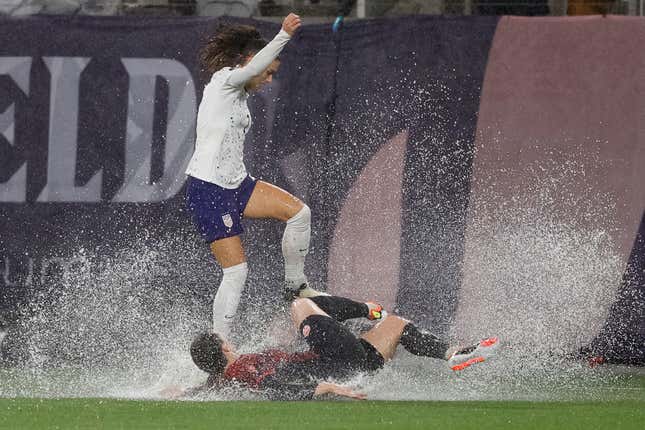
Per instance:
x=337, y=347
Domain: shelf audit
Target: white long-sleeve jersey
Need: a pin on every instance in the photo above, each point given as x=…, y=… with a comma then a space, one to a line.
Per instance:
x=224, y=119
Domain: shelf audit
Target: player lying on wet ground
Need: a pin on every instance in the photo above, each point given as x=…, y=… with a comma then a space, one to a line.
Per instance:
x=334, y=352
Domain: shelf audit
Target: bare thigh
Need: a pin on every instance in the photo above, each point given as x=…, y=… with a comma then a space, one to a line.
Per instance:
x=385, y=336
x=228, y=251
x=303, y=308
x=269, y=201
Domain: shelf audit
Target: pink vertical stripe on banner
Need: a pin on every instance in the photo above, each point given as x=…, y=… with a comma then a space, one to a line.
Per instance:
x=365, y=251
x=561, y=131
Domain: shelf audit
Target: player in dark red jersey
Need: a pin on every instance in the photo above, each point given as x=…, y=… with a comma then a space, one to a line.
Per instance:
x=334, y=352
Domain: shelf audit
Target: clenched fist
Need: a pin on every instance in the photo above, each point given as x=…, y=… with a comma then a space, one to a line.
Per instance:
x=291, y=23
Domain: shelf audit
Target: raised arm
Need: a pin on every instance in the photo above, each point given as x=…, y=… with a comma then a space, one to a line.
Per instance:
x=266, y=55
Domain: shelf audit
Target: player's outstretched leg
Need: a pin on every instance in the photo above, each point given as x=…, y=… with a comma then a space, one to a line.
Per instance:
x=394, y=330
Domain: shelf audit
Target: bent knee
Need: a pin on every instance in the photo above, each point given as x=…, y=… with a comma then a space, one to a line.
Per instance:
x=303, y=216
x=301, y=308
x=300, y=304
x=396, y=318
x=237, y=272
x=394, y=323
x=305, y=212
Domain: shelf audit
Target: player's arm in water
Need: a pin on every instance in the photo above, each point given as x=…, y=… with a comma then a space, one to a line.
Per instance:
x=281, y=386
x=291, y=382
x=284, y=385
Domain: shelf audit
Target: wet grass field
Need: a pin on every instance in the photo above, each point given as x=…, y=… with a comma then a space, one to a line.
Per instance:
x=616, y=401
x=130, y=414
x=409, y=394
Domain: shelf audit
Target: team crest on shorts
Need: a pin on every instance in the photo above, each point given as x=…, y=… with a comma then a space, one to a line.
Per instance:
x=306, y=330
x=228, y=220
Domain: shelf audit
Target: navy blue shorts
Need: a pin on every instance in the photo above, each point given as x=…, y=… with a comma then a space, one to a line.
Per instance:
x=216, y=211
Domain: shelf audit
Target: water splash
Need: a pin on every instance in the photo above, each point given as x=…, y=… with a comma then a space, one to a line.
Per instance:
x=110, y=324
x=115, y=326
x=541, y=267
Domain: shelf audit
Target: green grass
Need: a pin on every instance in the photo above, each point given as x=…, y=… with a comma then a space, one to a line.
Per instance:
x=129, y=414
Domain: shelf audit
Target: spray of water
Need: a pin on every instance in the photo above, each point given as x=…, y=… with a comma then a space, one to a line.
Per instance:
x=111, y=325
x=120, y=324
x=540, y=263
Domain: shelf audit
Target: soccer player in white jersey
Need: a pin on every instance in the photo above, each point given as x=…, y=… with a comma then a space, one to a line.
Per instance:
x=219, y=190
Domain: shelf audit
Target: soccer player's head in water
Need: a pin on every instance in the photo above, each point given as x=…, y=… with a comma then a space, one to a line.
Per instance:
x=210, y=353
x=233, y=46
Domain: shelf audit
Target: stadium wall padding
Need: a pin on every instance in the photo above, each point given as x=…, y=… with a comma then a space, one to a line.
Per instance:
x=398, y=133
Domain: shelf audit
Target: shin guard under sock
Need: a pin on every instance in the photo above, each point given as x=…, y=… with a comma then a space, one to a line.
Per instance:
x=295, y=247
x=423, y=343
x=228, y=298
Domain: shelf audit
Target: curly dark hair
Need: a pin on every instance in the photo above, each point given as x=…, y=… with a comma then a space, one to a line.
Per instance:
x=206, y=352
x=229, y=46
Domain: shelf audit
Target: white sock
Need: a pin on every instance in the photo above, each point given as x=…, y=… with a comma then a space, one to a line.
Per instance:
x=295, y=247
x=228, y=298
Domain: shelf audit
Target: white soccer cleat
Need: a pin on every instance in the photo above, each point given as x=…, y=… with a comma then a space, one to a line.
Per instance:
x=466, y=357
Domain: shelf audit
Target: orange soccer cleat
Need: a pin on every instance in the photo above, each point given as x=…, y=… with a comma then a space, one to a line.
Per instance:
x=473, y=354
